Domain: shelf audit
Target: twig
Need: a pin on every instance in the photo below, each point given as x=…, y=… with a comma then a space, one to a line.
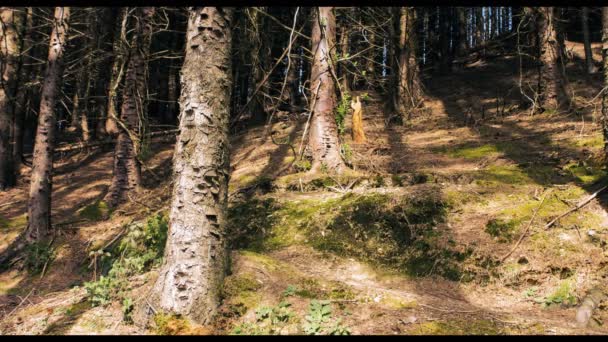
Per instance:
x=447, y=310
x=17, y=307
x=580, y=205
x=527, y=228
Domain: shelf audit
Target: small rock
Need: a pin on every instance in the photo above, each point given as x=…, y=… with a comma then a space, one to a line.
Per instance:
x=591, y=232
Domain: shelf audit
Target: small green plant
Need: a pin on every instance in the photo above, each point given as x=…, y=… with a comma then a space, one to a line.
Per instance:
x=302, y=165
x=269, y=320
x=502, y=230
x=290, y=291
x=127, y=310
x=342, y=111
x=318, y=320
x=562, y=295
x=347, y=153
x=37, y=256
x=365, y=97
x=138, y=251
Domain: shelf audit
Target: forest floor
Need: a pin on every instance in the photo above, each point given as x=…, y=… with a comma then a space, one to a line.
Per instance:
x=410, y=241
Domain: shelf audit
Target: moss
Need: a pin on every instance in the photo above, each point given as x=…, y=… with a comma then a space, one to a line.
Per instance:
x=166, y=324
x=95, y=212
x=458, y=327
x=585, y=173
x=241, y=290
x=501, y=230
x=396, y=303
x=494, y=175
x=472, y=152
x=596, y=142
x=15, y=223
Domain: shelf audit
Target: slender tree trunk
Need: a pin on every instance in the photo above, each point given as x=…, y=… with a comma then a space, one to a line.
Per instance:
x=409, y=86
x=323, y=134
x=21, y=102
x=104, y=45
x=605, y=72
x=551, y=92
x=587, y=41
x=39, y=204
x=196, y=256
x=344, y=52
x=462, y=31
x=120, y=31
x=478, y=26
x=10, y=50
x=127, y=174
x=445, y=63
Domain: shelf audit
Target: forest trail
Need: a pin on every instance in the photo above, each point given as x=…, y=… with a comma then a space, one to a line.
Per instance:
x=489, y=170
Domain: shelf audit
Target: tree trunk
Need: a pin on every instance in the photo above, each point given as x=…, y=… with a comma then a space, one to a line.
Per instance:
x=478, y=26
x=344, y=53
x=104, y=45
x=9, y=70
x=21, y=102
x=605, y=72
x=120, y=31
x=191, y=277
x=323, y=129
x=127, y=174
x=587, y=42
x=39, y=204
x=462, y=31
x=409, y=86
x=551, y=93
x=445, y=63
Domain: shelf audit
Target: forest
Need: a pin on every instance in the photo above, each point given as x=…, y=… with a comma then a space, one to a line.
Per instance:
x=303, y=170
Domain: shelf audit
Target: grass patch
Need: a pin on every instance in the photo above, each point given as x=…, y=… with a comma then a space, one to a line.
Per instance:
x=18, y=222
x=96, y=211
x=399, y=232
x=585, y=173
x=501, y=230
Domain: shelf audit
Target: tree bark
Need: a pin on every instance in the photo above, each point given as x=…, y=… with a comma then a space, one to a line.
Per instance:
x=127, y=174
x=196, y=256
x=551, y=91
x=100, y=92
x=10, y=50
x=21, y=102
x=462, y=31
x=120, y=31
x=409, y=88
x=39, y=204
x=323, y=134
x=587, y=41
x=605, y=72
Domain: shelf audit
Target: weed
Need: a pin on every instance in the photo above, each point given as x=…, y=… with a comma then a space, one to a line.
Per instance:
x=342, y=111
x=318, y=320
x=37, y=256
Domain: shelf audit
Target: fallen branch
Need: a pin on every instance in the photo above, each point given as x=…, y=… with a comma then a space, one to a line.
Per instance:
x=527, y=229
x=580, y=205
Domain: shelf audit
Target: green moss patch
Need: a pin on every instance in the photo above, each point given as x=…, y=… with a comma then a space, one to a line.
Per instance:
x=95, y=212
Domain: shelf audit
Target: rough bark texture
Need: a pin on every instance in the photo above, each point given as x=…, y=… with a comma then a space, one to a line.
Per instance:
x=323, y=134
x=9, y=67
x=587, y=41
x=39, y=204
x=409, y=88
x=195, y=256
x=111, y=127
x=551, y=93
x=104, y=45
x=605, y=71
x=126, y=178
x=21, y=102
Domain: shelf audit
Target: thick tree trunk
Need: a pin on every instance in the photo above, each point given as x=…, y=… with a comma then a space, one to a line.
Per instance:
x=587, y=41
x=126, y=178
x=195, y=256
x=605, y=72
x=39, y=204
x=323, y=134
x=409, y=91
x=10, y=50
x=551, y=93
